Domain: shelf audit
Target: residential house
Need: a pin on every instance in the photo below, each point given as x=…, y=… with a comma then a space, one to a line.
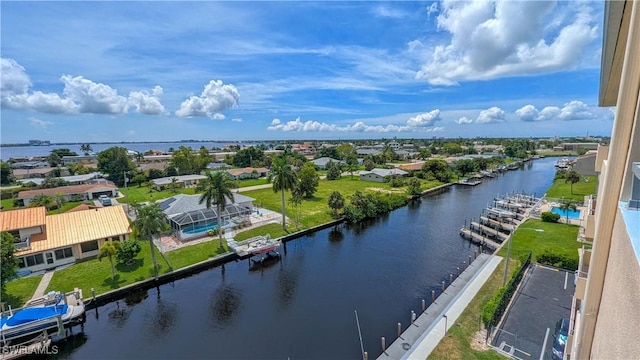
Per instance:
x=306, y=148
x=180, y=181
x=321, y=163
x=417, y=166
x=39, y=172
x=247, y=173
x=72, y=179
x=80, y=159
x=72, y=192
x=47, y=241
x=380, y=175
x=30, y=164
x=189, y=217
x=576, y=146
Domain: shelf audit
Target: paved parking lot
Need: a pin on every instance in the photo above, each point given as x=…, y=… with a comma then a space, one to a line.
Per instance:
x=544, y=297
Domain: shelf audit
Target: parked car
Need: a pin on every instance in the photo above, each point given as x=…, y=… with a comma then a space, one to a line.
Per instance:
x=104, y=200
x=560, y=335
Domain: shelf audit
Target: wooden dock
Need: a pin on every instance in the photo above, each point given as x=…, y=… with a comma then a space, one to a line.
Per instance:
x=469, y=182
x=478, y=239
x=497, y=224
x=487, y=231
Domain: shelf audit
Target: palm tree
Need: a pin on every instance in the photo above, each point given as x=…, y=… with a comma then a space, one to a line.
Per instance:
x=60, y=199
x=42, y=200
x=150, y=220
x=284, y=178
x=217, y=189
x=173, y=184
x=571, y=177
x=336, y=202
x=109, y=249
x=566, y=206
x=297, y=195
x=86, y=149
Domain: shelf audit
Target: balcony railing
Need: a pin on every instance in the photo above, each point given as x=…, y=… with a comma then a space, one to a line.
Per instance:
x=22, y=245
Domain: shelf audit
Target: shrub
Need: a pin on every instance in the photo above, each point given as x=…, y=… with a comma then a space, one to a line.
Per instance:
x=550, y=217
x=127, y=251
x=491, y=306
x=563, y=261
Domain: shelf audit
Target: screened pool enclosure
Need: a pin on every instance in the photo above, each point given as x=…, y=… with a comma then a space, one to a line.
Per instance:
x=197, y=223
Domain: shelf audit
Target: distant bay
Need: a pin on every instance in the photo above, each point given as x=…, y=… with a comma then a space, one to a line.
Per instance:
x=7, y=152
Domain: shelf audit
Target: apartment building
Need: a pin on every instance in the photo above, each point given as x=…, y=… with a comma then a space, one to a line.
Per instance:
x=605, y=317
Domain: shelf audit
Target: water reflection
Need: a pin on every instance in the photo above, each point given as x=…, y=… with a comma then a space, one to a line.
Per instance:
x=225, y=304
x=119, y=315
x=136, y=298
x=163, y=317
x=286, y=285
x=336, y=234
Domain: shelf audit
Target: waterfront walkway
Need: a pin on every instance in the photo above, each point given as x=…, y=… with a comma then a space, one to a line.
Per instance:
x=421, y=337
x=44, y=284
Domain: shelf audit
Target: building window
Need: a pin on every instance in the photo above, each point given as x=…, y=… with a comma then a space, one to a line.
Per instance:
x=89, y=246
x=33, y=260
x=21, y=263
x=64, y=253
x=115, y=238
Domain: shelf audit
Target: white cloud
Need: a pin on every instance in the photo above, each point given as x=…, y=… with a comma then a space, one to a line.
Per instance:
x=463, y=121
x=492, y=115
x=573, y=110
x=80, y=95
x=236, y=119
x=215, y=98
x=359, y=126
x=433, y=8
x=145, y=103
x=491, y=39
x=218, y=116
x=426, y=119
x=39, y=122
x=384, y=11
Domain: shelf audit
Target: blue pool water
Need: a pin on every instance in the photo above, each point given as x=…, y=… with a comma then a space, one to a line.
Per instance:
x=201, y=228
x=573, y=214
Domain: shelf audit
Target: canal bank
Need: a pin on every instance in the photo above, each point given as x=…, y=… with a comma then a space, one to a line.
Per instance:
x=304, y=304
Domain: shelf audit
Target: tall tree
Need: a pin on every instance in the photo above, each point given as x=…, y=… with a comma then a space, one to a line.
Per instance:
x=333, y=170
x=284, y=178
x=173, y=184
x=247, y=157
x=150, y=220
x=335, y=202
x=567, y=206
x=217, y=190
x=8, y=263
x=203, y=159
x=6, y=175
x=184, y=160
x=109, y=249
x=60, y=199
x=309, y=180
x=86, y=149
x=352, y=163
x=297, y=196
x=572, y=177
x=42, y=200
x=115, y=161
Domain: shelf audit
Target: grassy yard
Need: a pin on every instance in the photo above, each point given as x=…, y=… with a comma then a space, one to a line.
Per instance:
x=561, y=189
x=192, y=254
x=252, y=182
x=315, y=211
x=97, y=274
x=274, y=230
x=561, y=238
x=7, y=204
x=21, y=290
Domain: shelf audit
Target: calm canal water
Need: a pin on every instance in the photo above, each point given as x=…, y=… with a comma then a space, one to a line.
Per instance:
x=303, y=306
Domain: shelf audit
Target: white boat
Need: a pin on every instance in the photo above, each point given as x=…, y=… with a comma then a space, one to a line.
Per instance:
x=52, y=312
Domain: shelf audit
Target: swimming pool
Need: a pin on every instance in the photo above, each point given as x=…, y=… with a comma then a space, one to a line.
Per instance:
x=202, y=228
x=573, y=214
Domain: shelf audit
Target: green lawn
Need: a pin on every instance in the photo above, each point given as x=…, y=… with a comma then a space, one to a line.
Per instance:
x=192, y=254
x=561, y=238
x=66, y=207
x=19, y=291
x=274, y=230
x=561, y=189
x=7, y=204
x=142, y=194
x=252, y=182
x=97, y=274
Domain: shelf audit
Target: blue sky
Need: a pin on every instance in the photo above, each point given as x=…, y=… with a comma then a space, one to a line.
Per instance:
x=145, y=71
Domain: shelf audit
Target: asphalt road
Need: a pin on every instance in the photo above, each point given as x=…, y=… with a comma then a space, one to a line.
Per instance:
x=544, y=297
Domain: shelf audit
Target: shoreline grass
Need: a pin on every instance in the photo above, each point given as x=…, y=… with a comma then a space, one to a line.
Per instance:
x=19, y=291
x=588, y=185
